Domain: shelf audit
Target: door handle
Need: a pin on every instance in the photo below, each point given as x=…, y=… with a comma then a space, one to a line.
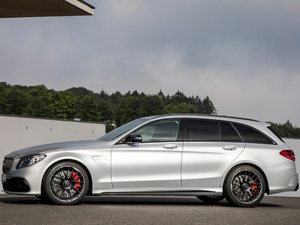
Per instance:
x=229, y=147
x=170, y=146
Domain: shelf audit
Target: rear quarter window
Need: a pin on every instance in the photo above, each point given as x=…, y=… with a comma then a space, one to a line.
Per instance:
x=228, y=133
x=274, y=132
x=251, y=135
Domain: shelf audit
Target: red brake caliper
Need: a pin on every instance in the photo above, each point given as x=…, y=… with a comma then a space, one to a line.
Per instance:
x=77, y=181
x=254, y=186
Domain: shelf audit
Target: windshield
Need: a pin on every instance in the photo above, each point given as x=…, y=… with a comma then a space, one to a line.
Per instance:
x=123, y=129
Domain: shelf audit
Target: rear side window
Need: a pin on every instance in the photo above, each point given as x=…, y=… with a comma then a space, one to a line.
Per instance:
x=274, y=132
x=228, y=133
x=203, y=130
x=252, y=136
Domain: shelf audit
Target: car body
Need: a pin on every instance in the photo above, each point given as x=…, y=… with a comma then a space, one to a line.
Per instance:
x=207, y=156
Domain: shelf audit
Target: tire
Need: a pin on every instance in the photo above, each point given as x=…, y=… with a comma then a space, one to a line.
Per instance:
x=65, y=183
x=244, y=186
x=211, y=199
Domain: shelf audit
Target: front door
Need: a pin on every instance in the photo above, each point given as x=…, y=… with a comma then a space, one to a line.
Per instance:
x=153, y=163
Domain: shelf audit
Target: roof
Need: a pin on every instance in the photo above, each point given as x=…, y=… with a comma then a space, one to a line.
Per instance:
x=206, y=116
x=44, y=8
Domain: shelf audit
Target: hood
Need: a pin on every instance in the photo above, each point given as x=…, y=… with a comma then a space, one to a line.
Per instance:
x=56, y=146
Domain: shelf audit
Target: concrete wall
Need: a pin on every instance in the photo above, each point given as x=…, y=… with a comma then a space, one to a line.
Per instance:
x=19, y=132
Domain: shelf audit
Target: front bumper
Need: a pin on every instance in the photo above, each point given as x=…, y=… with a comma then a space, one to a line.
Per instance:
x=16, y=185
x=26, y=180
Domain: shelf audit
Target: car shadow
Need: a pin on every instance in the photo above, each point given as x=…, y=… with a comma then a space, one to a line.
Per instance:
x=158, y=200
x=127, y=200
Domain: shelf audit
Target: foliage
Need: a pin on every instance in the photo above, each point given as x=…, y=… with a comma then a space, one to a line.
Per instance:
x=151, y=105
x=286, y=130
x=88, y=109
x=14, y=101
x=115, y=109
x=64, y=105
x=180, y=108
x=128, y=110
x=40, y=101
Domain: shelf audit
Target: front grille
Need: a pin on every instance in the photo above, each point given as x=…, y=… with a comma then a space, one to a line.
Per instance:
x=7, y=163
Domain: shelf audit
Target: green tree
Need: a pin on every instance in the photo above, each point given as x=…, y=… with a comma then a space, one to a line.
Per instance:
x=40, y=102
x=119, y=112
x=112, y=109
x=180, y=108
x=103, y=95
x=170, y=100
x=2, y=98
x=128, y=110
x=116, y=99
x=106, y=110
x=14, y=101
x=64, y=105
x=80, y=92
x=286, y=130
x=180, y=97
x=208, y=106
x=198, y=104
x=151, y=105
x=88, y=109
x=161, y=95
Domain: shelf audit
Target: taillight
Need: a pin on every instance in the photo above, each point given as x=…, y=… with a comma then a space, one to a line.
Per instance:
x=288, y=154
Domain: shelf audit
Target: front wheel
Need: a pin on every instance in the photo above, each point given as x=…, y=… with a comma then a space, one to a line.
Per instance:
x=66, y=183
x=244, y=186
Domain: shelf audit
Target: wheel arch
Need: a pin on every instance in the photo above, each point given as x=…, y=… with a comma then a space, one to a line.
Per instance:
x=248, y=164
x=90, y=190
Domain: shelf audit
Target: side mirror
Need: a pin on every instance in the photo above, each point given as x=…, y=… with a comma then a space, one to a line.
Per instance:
x=134, y=138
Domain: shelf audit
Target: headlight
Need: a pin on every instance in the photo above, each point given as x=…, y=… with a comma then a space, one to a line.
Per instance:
x=30, y=160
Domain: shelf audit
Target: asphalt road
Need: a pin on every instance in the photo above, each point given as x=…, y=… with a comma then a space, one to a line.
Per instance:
x=147, y=210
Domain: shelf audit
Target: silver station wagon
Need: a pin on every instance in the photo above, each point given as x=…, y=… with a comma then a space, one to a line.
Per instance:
x=211, y=157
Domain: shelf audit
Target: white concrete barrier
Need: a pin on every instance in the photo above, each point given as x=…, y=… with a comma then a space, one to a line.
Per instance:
x=19, y=132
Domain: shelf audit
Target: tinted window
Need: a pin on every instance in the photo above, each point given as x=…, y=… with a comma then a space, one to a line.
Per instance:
x=203, y=130
x=274, y=132
x=165, y=130
x=252, y=136
x=228, y=133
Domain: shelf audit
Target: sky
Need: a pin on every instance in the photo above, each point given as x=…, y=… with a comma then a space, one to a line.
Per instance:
x=244, y=55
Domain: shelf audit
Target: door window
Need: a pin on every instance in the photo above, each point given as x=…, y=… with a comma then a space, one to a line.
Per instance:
x=203, y=130
x=160, y=131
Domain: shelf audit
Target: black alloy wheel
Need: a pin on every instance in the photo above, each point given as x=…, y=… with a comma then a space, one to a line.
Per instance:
x=66, y=183
x=244, y=186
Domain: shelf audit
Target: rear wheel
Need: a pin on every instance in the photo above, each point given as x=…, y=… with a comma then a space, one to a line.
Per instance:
x=211, y=199
x=66, y=183
x=244, y=186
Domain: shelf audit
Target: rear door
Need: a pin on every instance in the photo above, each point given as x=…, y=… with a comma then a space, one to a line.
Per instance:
x=210, y=146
